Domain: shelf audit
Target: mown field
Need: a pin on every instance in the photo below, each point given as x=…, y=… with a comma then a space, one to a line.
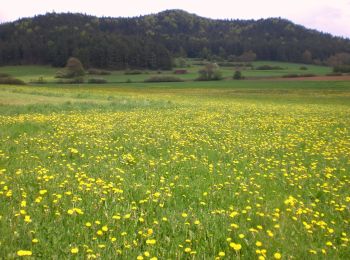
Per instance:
x=201, y=170
x=30, y=74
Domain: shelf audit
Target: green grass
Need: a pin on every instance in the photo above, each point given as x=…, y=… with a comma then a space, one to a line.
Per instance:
x=175, y=170
x=33, y=73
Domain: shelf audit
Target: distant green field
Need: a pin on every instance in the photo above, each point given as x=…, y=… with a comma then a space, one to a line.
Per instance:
x=33, y=73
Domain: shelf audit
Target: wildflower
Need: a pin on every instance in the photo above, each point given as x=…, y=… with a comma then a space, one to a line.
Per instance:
x=235, y=246
x=74, y=250
x=150, y=241
x=24, y=253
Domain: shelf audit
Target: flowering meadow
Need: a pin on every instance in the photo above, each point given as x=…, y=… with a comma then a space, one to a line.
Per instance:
x=198, y=177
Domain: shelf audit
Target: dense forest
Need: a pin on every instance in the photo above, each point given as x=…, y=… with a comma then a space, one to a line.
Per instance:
x=152, y=41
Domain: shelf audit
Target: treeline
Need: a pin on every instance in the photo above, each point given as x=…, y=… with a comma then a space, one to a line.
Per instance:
x=152, y=41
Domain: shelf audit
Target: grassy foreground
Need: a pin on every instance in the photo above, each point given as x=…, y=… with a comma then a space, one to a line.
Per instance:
x=241, y=170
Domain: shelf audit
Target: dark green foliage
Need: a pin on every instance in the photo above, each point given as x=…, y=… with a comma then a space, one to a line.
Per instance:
x=334, y=74
x=342, y=69
x=180, y=62
x=163, y=79
x=74, y=68
x=4, y=75
x=307, y=75
x=11, y=81
x=211, y=71
x=303, y=68
x=97, y=81
x=233, y=64
x=40, y=80
x=290, y=76
x=76, y=80
x=268, y=67
x=98, y=72
x=237, y=75
x=133, y=72
x=151, y=41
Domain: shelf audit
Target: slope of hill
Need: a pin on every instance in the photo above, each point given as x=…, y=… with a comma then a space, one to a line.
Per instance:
x=152, y=40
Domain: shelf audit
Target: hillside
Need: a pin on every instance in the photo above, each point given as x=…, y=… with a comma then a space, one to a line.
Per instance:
x=151, y=41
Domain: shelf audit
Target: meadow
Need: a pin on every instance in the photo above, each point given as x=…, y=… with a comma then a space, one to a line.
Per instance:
x=32, y=73
x=200, y=170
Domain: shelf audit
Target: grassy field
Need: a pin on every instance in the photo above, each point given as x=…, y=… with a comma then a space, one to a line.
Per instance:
x=200, y=170
x=33, y=73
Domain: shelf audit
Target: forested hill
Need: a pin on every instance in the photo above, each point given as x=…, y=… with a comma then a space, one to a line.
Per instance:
x=151, y=41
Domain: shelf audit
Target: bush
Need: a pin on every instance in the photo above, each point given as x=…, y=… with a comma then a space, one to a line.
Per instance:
x=11, y=81
x=237, y=75
x=98, y=72
x=163, y=79
x=73, y=69
x=76, y=80
x=269, y=67
x=211, y=71
x=334, y=74
x=307, y=75
x=132, y=72
x=342, y=68
x=290, y=76
x=4, y=75
x=303, y=68
x=40, y=80
x=97, y=81
x=232, y=64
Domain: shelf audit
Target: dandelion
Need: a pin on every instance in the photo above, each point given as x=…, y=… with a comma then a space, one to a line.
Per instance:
x=74, y=250
x=235, y=246
x=24, y=253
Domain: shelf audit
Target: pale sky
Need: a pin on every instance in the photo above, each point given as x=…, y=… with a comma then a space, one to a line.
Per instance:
x=332, y=16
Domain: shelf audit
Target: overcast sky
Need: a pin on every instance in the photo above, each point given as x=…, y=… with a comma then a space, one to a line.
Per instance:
x=331, y=16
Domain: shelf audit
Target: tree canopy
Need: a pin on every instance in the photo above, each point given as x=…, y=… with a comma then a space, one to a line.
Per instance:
x=152, y=41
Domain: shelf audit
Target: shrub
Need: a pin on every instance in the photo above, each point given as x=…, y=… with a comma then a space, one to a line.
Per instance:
x=163, y=79
x=76, y=80
x=307, y=75
x=73, y=69
x=237, y=75
x=211, y=71
x=132, y=72
x=290, y=76
x=232, y=64
x=40, y=80
x=11, y=81
x=342, y=68
x=269, y=67
x=98, y=72
x=4, y=75
x=334, y=74
x=97, y=81
x=303, y=68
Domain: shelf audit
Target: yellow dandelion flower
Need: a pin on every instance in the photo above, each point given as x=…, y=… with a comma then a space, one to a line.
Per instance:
x=258, y=243
x=235, y=246
x=150, y=241
x=187, y=250
x=74, y=250
x=24, y=253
